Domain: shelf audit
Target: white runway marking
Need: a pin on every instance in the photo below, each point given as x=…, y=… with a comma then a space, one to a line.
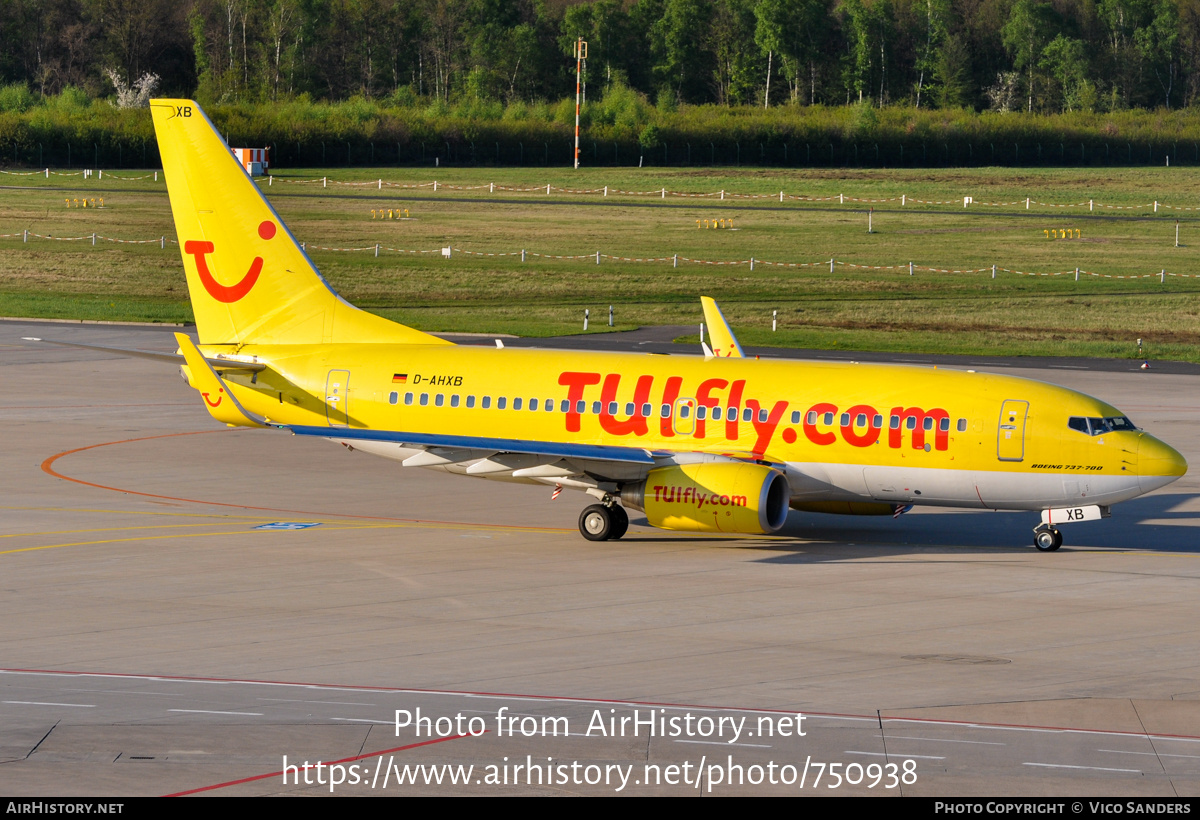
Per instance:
x=1088, y=768
x=946, y=740
x=44, y=703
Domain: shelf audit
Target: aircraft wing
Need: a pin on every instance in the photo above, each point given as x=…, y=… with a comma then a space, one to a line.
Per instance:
x=591, y=452
x=572, y=464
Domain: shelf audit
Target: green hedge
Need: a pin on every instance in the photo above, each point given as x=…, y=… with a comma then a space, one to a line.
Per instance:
x=621, y=130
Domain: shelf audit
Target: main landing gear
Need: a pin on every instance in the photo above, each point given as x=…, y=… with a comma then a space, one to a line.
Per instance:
x=603, y=522
x=1047, y=538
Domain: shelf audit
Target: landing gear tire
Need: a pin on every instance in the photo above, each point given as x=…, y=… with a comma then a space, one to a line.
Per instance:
x=597, y=523
x=620, y=523
x=1047, y=539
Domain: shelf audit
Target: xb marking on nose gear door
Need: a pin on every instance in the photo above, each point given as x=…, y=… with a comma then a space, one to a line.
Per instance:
x=1010, y=444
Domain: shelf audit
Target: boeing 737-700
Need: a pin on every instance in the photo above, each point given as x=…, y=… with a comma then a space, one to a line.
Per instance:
x=708, y=443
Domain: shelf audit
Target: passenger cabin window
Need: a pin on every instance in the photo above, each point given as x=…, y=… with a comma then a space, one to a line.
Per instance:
x=844, y=420
x=812, y=416
x=454, y=400
x=828, y=418
x=877, y=422
x=485, y=402
x=393, y=398
x=748, y=414
x=548, y=404
x=796, y=416
x=424, y=399
x=566, y=406
x=501, y=401
x=962, y=425
x=533, y=405
x=596, y=408
x=647, y=410
x=581, y=407
x=516, y=404
x=630, y=409
x=408, y=398
x=701, y=413
x=665, y=411
x=470, y=402
x=944, y=425
x=439, y=400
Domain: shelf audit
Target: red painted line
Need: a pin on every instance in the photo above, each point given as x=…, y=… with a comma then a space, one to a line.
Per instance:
x=331, y=763
x=606, y=701
x=48, y=468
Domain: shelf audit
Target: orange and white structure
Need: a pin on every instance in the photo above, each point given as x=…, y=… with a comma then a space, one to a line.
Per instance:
x=255, y=161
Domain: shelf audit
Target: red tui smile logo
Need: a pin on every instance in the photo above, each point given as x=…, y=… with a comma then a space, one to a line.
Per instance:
x=227, y=293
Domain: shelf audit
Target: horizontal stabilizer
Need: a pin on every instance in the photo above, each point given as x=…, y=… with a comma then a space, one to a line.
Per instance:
x=175, y=358
x=222, y=405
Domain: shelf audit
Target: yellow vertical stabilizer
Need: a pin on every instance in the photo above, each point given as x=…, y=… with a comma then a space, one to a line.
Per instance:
x=724, y=343
x=248, y=278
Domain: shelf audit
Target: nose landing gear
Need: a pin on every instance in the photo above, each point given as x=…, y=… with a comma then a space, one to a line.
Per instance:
x=1047, y=538
x=603, y=522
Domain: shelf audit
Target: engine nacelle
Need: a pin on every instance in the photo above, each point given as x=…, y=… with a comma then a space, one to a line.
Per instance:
x=712, y=496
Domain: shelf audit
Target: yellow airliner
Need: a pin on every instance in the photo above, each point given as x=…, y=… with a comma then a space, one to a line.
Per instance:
x=712, y=443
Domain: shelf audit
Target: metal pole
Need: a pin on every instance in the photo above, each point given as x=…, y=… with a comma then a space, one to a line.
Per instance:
x=610, y=318
x=586, y=313
x=774, y=320
x=1177, y=233
x=580, y=51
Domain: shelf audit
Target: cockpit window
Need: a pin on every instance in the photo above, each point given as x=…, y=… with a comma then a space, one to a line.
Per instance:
x=1099, y=426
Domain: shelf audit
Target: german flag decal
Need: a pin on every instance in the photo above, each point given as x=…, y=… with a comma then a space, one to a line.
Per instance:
x=399, y=378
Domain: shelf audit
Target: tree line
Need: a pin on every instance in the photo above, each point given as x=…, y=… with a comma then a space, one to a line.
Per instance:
x=1042, y=56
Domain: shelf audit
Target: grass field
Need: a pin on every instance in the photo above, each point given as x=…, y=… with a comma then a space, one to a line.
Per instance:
x=852, y=308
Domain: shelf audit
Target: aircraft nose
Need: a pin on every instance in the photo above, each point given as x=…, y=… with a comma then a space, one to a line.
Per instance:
x=1158, y=464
